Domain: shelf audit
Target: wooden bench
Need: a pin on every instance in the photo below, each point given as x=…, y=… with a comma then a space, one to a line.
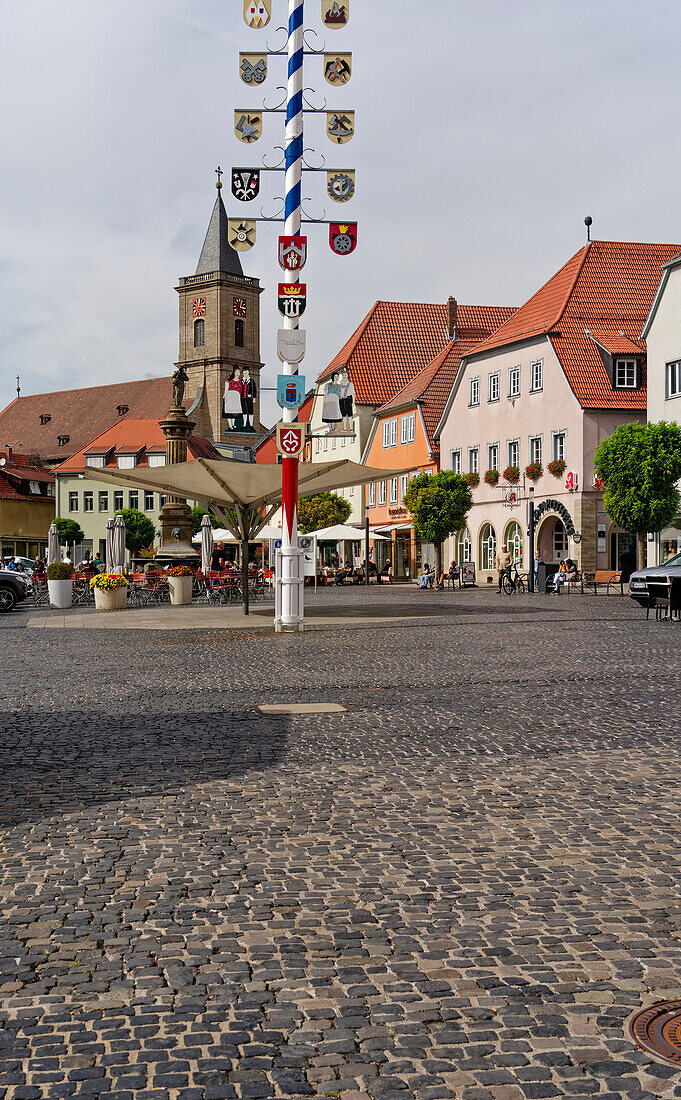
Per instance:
x=606, y=577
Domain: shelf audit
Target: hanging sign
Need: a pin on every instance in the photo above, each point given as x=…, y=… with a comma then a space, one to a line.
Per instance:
x=340, y=186
x=240, y=234
x=245, y=183
x=335, y=13
x=247, y=127
x=290, y=439
x=571, y=481
x=340, y=125
x=343, y=237
x=252, y=68
x=292, y=299
x=337, y=68
x=291, y=344
x=257, y=12
x=292, y=252
x=290, y=391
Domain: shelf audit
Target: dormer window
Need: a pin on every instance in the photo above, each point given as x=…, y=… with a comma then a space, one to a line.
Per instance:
x=62, y=440
x=45, y=418
x=34, y=487
x=123, y=409
x=95, y=460
x=626, y=374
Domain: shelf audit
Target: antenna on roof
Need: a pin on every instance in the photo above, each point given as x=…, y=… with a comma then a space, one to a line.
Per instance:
x=18, y=387
x=588, y=221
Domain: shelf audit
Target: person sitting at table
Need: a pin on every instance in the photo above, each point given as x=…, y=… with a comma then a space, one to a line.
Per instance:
x=452, y=573
x=566, y=572
x=426, y=578
x=343, y=573
x=386, y=571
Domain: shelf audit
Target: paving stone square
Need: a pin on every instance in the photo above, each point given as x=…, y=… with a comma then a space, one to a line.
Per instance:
x=462, y=886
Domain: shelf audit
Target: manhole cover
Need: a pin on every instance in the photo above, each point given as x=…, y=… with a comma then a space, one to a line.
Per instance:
x=658, y=1030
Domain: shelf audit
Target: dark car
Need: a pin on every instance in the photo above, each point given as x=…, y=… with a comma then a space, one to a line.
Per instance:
x=638, y=581
x=14, y=588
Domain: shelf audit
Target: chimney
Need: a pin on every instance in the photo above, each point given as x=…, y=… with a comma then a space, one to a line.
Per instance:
x=452, y=309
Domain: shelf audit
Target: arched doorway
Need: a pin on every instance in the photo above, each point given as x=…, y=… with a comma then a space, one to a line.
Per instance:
x=513, y=540
x=488, y=547
x=552, y=540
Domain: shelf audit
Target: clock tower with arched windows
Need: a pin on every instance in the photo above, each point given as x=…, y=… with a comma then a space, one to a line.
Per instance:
x=220, y=340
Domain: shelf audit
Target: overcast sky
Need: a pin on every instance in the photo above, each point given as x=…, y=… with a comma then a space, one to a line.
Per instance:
x=485, y=132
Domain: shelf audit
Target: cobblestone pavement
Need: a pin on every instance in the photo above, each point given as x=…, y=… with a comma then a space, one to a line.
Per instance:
x=461, y=888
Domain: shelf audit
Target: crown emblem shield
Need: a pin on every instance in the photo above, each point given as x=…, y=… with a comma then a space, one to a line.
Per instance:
x=292, y=299
x=343, y=237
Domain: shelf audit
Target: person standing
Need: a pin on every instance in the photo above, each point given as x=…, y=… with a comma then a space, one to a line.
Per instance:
x=504, y=563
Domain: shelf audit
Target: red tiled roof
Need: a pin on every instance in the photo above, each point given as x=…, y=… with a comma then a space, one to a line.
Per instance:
x=81, y=414
x=393, y=342
x=432, y=385
x=616, y=342
x=607, y=286
x=18, y=469
x=132, y=435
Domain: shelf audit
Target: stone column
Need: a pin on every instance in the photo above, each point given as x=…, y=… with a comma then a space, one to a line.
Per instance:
x=176, y=516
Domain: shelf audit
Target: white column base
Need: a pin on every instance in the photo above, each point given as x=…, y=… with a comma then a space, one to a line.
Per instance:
x=288, y=590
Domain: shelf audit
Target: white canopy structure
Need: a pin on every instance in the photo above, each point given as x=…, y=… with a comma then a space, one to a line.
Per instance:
x=243, y=495
x=343, y=532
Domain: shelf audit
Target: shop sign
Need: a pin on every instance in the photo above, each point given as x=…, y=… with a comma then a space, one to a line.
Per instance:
x=602, y=542
x=571, y=481
x=398, y=512
x=555, y=506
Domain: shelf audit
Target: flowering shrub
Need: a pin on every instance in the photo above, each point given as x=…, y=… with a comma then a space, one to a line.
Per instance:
x=534, y=470
x=108, y=581
x=472, y=479
x=557, y=467
x=180, y=571
x=512, y=474
x=492, y=477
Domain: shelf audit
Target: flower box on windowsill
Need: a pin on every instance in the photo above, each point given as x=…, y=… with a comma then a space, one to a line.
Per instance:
x=492, y=477
x=557, y=467
x=512, y=475
x=534, y=470
x=472, y=479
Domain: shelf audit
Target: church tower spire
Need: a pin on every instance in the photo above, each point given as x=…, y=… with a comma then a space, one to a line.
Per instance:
x=220, y=338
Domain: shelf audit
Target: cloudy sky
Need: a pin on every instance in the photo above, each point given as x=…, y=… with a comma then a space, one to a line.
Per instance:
x=485, y=132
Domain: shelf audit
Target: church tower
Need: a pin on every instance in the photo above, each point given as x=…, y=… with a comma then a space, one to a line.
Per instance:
x=220, y=340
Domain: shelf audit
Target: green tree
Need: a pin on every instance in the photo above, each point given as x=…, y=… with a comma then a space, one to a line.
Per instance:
x=440, y=504
x=198, y=514
x=639, y=465
x=70, y=532
x=139, y=529
x=322, y=510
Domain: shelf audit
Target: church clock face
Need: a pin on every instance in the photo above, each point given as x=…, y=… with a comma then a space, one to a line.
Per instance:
x=239, y=307
x=199, y=307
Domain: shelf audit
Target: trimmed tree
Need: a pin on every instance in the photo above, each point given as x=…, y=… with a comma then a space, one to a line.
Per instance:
x=639, y=465
x=139, y=529
x=70, y=533
x=197, y=516
x=440, y=504
x=322, y=510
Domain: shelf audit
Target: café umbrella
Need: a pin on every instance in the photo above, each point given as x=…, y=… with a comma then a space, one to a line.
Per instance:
x=119, y=545
x=52, y=544
x=207, y=543
x=110, y=524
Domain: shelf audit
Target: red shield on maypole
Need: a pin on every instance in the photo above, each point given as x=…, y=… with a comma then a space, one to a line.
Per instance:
x=343, y=237
x=292, y=252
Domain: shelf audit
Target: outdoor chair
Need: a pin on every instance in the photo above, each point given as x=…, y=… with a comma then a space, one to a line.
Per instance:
x=82, y=593
x=41, y=596
x=661, y=599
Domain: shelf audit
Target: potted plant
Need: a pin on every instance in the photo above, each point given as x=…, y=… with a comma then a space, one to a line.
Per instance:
x=180, y=581
x=60, y=584
x=111, y=591
x=534, y=470
x=472, y=479
x=557, y=467
x=512, y=475
x=492, y=477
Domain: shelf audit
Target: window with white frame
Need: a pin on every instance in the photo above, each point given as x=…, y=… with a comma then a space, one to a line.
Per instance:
x=381, y=493
x=88, y=502
x=95, y=460
x=126, y=462
x=493, y=386
x=535, y=448
x=371, y=494
x=317, y=446
x=558, y=446
x=463, y=546
x=625, y=374
x=133, y=498
x=514, y=541
x=392, y=499
x=390, y=433
x=118, y=500
x=513, y=452
x=50, y=489
x=34, y=487
x=404, y=484
x=156, y=460
x=148, y=502
x=536, y=373
x=674, y=379
x=73, y=502
x=488, y=546
x=514, y=382
x=456, y=461
x=408, y=428
x=474, y=460
x=474, y=391
x=103, y=500
x=493, y=456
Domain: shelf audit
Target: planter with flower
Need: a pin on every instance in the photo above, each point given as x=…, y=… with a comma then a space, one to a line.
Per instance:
x=557, y=467
x=180, y=581
x=60, y=584
x=534, y=470
x=111, y=591
x=472, y=479
x=492, y=477
x=512, y=475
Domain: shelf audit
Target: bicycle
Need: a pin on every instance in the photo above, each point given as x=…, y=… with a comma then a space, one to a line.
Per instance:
x=513, y=582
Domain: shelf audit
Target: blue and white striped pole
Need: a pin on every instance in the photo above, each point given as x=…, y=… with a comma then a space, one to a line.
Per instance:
x=290, y=578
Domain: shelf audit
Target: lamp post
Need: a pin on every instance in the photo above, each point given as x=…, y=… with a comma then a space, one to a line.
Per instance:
x=530, y=578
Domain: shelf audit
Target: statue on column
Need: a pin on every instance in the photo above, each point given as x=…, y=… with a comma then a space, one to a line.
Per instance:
x=179, y=378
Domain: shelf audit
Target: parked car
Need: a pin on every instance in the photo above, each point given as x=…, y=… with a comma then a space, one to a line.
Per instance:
x=15, y=587
x=638, y=581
